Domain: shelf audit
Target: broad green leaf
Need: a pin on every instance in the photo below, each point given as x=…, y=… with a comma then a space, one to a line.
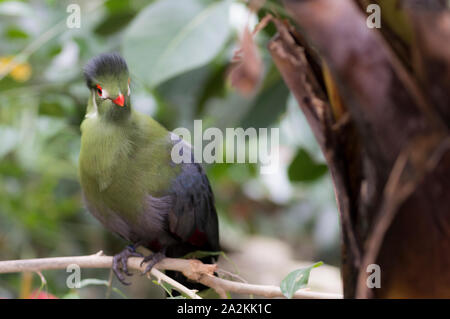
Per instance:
x=16, y=33
x=296, y=280
x=170, y=37
x=114, y=6
x=304, y=169
x=268, y=107
x=114, y=22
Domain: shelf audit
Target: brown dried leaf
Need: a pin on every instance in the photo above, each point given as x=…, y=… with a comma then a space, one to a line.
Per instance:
x=246, y=69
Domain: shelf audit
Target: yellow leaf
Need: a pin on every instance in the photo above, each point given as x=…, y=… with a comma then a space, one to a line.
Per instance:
x=335, y=99
x=20, y=72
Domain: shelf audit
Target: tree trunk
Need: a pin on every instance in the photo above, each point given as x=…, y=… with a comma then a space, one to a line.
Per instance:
x=378, y=102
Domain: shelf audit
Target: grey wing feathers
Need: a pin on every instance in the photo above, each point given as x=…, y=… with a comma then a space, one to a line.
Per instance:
x=193, y=217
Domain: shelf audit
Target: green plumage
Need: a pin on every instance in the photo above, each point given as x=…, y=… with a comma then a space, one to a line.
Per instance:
x=121, y=163
x=129, y=181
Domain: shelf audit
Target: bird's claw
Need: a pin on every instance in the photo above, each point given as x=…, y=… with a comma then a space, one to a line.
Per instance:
x=152, y=260
x=120, y=263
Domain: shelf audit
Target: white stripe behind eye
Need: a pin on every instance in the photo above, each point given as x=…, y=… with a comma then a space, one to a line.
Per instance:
x=105, y=94
x=94, y=111
x=94, y=103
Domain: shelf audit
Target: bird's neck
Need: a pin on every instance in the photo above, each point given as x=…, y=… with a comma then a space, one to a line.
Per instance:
x=105, y=143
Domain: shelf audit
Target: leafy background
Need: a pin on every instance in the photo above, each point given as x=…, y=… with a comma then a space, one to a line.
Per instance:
x=179, y=54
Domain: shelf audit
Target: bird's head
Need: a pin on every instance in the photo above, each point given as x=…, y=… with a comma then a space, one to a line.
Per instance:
x=108, y=79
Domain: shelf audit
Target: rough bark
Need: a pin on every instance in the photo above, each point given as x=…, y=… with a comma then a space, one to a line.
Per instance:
x=388, y=148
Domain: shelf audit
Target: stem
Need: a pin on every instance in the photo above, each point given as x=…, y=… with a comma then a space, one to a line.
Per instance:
x=192, y=269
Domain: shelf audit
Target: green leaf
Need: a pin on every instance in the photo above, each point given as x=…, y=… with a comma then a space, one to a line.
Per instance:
x=304, y=169
x=268, y=107
x=296, y=280
x=170, y=37
x=16, y=33
x=114, y=6
x=168, y=288
x=119, y=292
x=114, y=22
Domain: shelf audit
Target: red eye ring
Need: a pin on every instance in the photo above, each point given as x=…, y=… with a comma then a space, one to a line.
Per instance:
x=99, y=90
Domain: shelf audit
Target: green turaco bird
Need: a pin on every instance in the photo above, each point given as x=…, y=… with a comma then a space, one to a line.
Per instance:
x=130, y=182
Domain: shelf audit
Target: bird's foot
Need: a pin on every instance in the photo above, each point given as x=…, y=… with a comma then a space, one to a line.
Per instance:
x=120, y=263
x=152, y=260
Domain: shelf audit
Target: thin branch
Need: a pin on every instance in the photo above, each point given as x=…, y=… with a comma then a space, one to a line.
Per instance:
x=397, y=190
x=193, y=269
x=175, y=284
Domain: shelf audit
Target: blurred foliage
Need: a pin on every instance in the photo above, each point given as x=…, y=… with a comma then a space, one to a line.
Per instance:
x=179, y=55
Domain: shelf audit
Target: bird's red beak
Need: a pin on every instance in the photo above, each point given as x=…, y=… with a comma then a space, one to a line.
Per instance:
x=119, y=100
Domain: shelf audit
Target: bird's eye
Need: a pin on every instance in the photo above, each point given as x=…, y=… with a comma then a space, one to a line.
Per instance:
x=99, y=90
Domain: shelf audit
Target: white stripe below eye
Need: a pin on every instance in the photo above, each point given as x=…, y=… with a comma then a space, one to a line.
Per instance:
x=129, y=91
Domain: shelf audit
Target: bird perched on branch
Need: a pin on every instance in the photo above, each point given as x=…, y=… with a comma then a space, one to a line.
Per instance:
x=131, y=183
